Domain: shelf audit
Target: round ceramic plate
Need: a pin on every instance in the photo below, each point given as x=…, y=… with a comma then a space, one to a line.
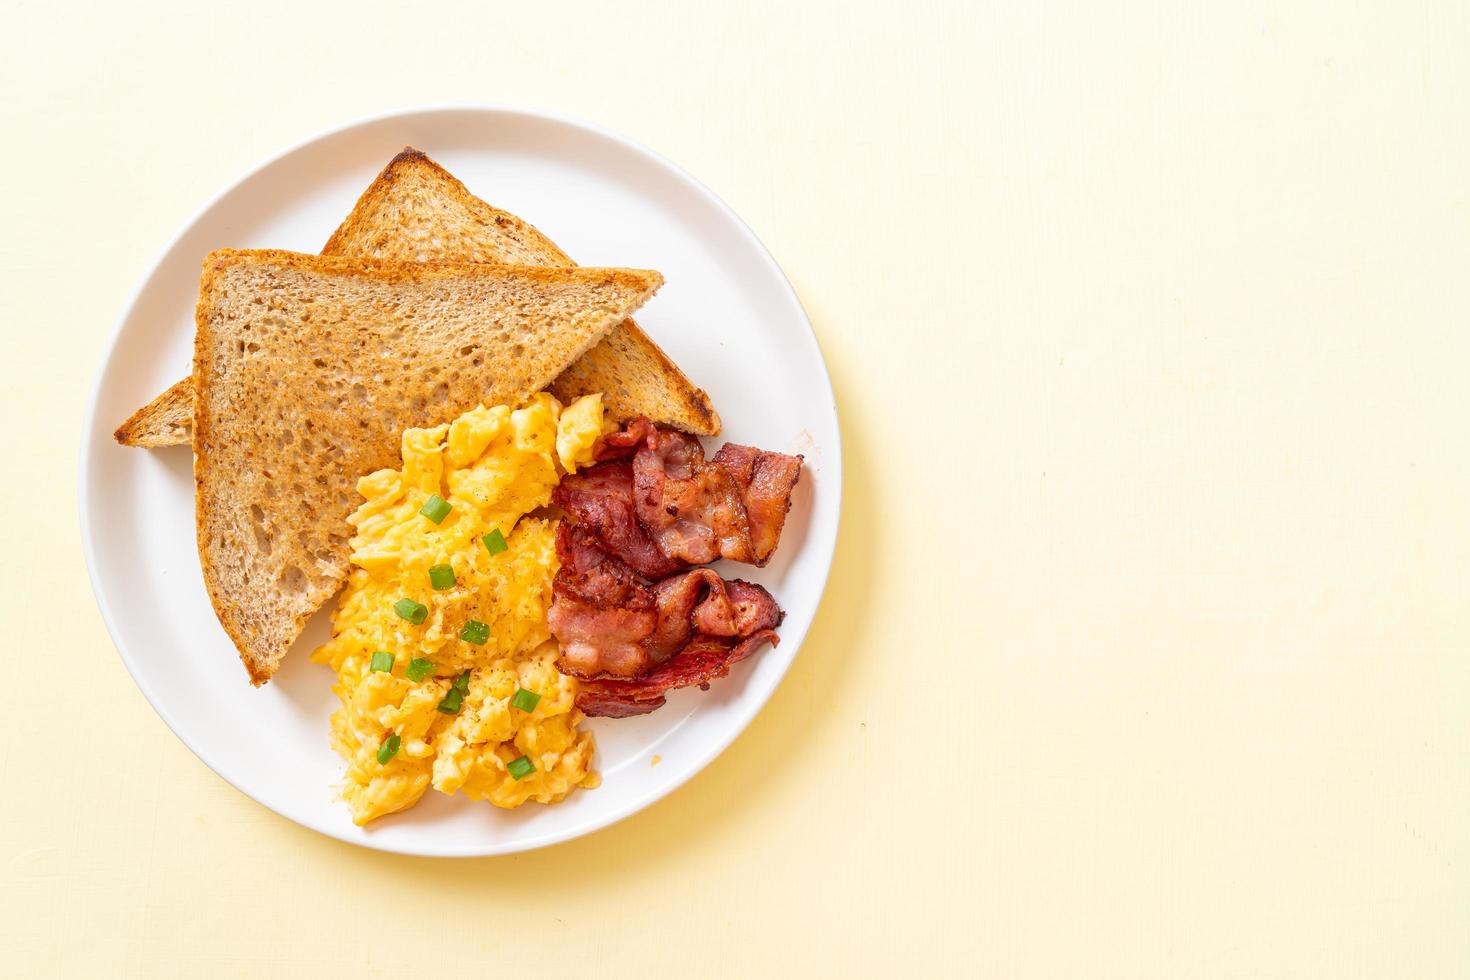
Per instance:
x=726, y=315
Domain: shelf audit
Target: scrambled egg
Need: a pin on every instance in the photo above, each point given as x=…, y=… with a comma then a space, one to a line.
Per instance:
x=455, y=727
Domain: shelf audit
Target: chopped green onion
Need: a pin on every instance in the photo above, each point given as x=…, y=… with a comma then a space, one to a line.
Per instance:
x=436, y=508
x=382, y=660
x=388, y=749
x=475, y=632
x=414, y=612
x=452, y=702
x=441, y=577
x=495, y=542
x=525, y=700
x=520, y=768
x=418, y=668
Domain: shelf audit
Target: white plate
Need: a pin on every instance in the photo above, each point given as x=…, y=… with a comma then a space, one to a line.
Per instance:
x=726, y=314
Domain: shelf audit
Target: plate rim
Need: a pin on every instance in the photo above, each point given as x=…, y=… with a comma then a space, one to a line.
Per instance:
x=833, y=473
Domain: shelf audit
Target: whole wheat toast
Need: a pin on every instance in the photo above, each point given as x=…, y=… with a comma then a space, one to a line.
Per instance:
x=309, y=368
x=167, y=420
x=417, y=211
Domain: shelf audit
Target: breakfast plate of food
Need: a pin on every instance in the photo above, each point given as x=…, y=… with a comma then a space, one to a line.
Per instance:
x=431, y=539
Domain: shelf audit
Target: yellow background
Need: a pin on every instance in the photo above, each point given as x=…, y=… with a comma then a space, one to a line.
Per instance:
x=1145, y=653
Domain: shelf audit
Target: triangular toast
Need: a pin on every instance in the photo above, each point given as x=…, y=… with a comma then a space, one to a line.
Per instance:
x=417, y=211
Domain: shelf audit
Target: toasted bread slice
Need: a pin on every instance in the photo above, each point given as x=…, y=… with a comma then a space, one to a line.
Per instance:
x=167, y=420
x=417, y=211
x=309, y=368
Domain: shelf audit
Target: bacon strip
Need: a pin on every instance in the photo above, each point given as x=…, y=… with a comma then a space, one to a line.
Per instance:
x=631, y=624
x=623, y=444
x=765, y=480
x=659, y=505
x=700, y=602
x=691, y=508
x=600, y=500
x=600, y=614
x=610, y=624
x=706, y=659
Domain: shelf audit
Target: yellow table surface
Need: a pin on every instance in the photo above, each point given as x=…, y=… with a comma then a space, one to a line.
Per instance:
x=1145, y=653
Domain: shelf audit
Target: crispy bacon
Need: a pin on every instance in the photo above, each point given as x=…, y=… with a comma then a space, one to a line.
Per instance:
x=601, y=500
x=668, y=507
x=765, y=480
x=706, y=659
x=623, y=444
x=601, y=614
x=633, y=624
x=610, y=624
x=596, y=705
x=700, y=602
x=691, y=508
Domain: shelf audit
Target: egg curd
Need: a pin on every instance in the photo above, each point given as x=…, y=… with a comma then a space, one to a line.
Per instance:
x=456, y=688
